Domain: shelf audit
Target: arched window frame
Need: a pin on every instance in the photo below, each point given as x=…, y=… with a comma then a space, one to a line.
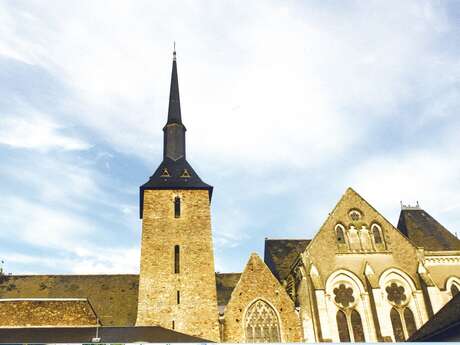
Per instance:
x=348, y=278
x=393, y=275
x=450, y=283
x=342, y=240
x=377, y=245
x=278, y=318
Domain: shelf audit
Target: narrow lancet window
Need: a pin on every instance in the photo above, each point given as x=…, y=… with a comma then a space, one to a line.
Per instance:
x=377, y=235
x=178, y=297
x=176, y=259
x=340, y=235
x=176, y=207
x=342, y=325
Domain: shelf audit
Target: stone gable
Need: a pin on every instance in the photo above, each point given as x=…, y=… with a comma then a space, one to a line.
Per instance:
x=328, y=255
x=258, y=283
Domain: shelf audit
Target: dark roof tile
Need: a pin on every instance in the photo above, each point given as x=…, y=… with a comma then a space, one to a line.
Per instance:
x=425, y=231
x=280, y=254
x=441, y=325
x=225, y=283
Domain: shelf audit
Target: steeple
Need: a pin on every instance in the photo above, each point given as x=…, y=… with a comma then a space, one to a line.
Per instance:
x=174, y=130
x=174, y=115
x=174, y=172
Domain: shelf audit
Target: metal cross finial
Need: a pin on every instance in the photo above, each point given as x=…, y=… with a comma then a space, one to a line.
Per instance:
x=174, y=51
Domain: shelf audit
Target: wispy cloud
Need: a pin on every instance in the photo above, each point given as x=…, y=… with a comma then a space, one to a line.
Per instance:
x=286, y=104
x=38, y=133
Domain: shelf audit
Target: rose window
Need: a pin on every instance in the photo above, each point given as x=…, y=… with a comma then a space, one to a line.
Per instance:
x=343, y=295
x=396, y=293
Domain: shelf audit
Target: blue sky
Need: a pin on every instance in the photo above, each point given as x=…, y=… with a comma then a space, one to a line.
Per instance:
x=286, y=105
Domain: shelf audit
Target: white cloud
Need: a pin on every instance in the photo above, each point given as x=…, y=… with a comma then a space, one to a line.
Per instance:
x=37, y=132
x=283, y=93
x=427, y=176
x=270, y=92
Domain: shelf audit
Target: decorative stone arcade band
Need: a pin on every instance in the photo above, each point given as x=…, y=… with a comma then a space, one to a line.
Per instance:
x=359, y=240
x=261, y=324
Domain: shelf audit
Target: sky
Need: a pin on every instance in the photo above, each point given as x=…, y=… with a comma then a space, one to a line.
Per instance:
x=286, y=104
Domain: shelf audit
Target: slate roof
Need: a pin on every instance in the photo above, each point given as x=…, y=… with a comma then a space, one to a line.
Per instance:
x=443, y=325
x=113, y=297
x=225, y=283
x=425, y=231
x=279, y=254
x=153, y=334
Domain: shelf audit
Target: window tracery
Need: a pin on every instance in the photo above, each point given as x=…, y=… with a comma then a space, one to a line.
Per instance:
x=261, y=323
x=401, y=316
x=343, y=295
x=349, y=324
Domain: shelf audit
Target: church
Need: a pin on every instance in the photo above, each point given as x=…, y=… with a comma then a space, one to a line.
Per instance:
x=359, y=279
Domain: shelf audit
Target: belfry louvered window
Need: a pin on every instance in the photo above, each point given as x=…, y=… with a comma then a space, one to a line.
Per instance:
x=261, y=324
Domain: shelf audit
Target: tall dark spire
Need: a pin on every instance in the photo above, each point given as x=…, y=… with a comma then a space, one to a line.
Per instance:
x=174, y=131
x=174, y=171
x=174, y=115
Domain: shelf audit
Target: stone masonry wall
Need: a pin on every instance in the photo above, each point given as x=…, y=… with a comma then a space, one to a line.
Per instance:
x=42, y=313
x=196, y=314
x=257, y=282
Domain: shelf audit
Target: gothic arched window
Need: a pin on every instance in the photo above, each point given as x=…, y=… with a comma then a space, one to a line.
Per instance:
x=357, y=327
x=340, y=234
x=454, y=290
x=377, y=234
x=261, y=324
x=410, y=321
x=397, y=325
x=342, y=325
x=402, y=318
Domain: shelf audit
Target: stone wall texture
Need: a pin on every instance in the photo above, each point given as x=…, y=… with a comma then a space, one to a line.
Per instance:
x=324, y=252
x=196, y=314
x=42, y=313
x=257, y=282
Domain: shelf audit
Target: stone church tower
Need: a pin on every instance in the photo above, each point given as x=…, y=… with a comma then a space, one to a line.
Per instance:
x=177, y=284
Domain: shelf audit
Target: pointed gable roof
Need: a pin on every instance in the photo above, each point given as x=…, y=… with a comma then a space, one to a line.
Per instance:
x=279, y=254
x=225, y=283
x=425, y=231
